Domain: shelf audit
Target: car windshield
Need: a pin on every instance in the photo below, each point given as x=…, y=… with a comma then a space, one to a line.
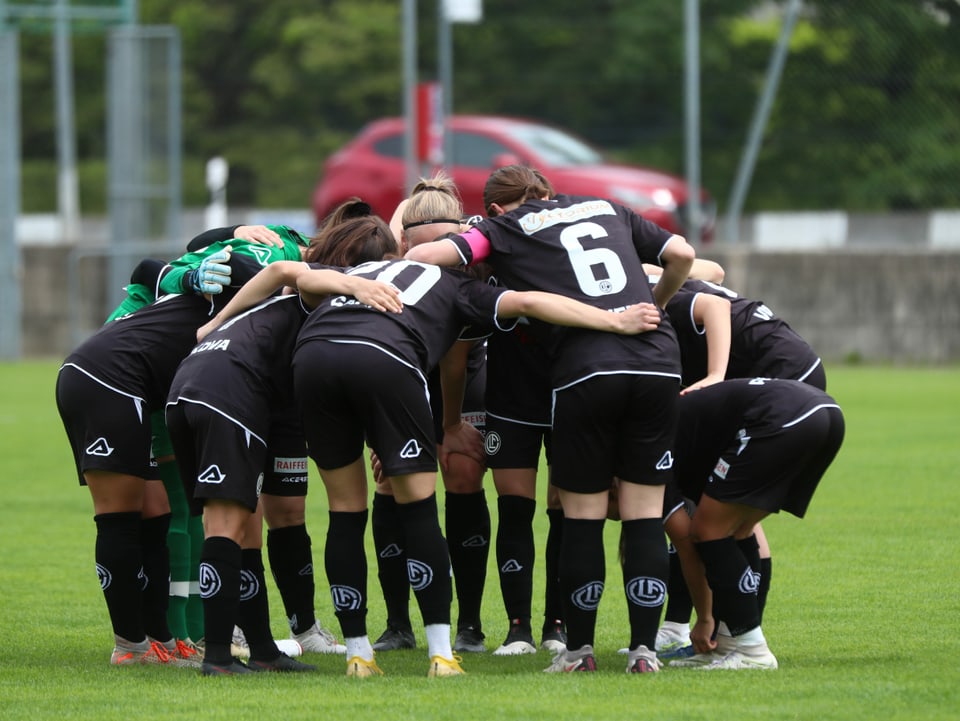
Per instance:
x=555, y=147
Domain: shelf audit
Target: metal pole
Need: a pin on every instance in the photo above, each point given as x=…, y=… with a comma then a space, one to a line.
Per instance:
x=445, y=73
x=692, y=86
x=11, y=263
x=68, y=203
x=410, y=90
x=761, y=113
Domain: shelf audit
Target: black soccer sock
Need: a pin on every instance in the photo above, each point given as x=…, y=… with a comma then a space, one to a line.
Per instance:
x=391, y=560
x=582, y=575
x=254, y=610
x=219, y=570
x=646, y=567
x=733, y=584
x=552, y=598
x=428, y=563
x=156, y=572
x=516, y=554
x=119, y=564
x=346, y=565
x=679, y=602
x=291, y=562
x=766, y=573
x=467, y=520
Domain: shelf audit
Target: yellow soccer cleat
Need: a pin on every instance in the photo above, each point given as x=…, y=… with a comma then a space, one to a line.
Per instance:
x=359, y=667
x=440, y=666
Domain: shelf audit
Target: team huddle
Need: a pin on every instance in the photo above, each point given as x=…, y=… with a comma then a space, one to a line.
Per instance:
x=558, y=325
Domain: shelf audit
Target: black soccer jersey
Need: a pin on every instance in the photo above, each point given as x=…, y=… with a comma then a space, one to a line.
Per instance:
x=588, y=249
x=138, y=354
x=739, y=410
x=438, y=304
x=761, y=343
x=242, y=369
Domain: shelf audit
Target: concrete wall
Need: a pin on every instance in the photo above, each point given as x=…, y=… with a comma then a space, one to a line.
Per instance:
x=887, y=305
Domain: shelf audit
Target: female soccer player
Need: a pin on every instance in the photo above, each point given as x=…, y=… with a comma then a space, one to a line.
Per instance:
x=614, y=397
x=746, y=448
x=237, y=432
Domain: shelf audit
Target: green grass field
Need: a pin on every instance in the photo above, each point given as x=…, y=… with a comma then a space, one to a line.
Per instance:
x=864, y=611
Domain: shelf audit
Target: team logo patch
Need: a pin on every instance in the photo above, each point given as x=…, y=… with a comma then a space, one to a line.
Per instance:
x=587, y=597
x=666, y=462
x=419, y=574
x=106, y=578
x=259, y=484
x=475, y=541
x=213, y=474
x=492, y=443
x=646, y=591
x=209, y=581
x=721, y=469
x=411, y=450
x=99, y=447
x=346, y=598
x=391, y=551
x=144, y=580
x=511, y=566
x=249, y=585
x=749, y=581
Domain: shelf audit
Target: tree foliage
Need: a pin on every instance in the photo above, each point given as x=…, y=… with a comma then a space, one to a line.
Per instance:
x=867, y=116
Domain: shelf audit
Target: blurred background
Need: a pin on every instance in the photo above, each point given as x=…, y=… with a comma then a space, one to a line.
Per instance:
x=825, y=135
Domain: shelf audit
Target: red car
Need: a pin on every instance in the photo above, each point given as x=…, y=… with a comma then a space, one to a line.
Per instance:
x=372, y=166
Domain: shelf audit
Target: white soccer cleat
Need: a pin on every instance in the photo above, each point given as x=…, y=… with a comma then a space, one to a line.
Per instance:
x=317, y=639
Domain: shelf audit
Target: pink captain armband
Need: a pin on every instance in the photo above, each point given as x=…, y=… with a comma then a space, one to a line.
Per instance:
x=479, y=245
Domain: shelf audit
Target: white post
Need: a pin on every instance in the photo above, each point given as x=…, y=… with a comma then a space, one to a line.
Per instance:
x=215, y=215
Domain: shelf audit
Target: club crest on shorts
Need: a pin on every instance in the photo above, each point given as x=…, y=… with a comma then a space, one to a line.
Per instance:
x=492, y=443
x=749, y=582
x=666, y=462
x=391, y=551
x=511, y=566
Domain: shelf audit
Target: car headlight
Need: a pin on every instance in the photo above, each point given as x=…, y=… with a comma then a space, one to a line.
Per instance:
x=640, y=200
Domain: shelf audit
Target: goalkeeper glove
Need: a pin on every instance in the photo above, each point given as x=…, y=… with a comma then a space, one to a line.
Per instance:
x=211, y=276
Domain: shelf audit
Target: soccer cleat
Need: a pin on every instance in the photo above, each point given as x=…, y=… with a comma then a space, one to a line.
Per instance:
x=183, y=654
x=238, y=644
x=554, y=637
x=440, y=666
x=643, y=660
x=394, y=639
x=358, y=667
x=281, y=663
x=317, y=639
x=725, y=644
x=756, y=657
x=469, y=639
x=289, y=646
x=673, y=641
x=233, y=668
x=519, y=640
x=569, y=661
x=126, y=653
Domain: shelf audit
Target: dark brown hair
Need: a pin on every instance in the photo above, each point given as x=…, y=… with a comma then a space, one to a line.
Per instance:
x=512, y=183
x=349, y=236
